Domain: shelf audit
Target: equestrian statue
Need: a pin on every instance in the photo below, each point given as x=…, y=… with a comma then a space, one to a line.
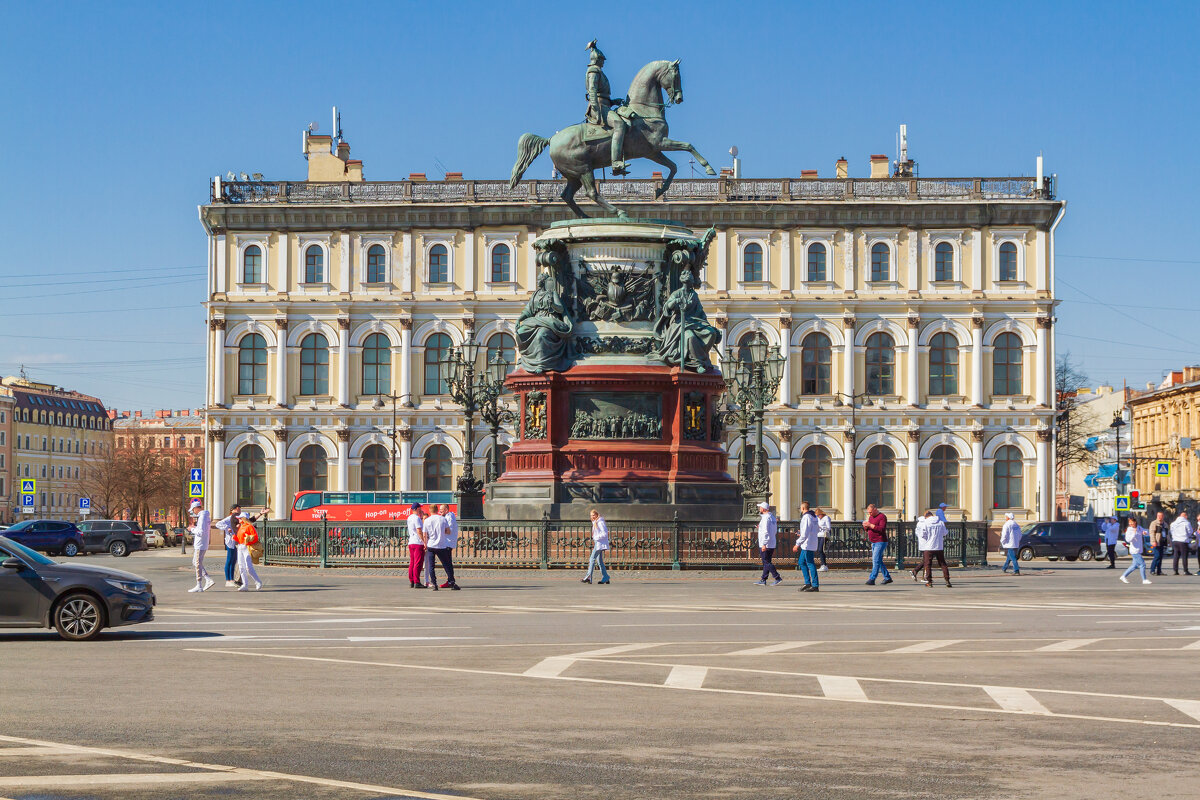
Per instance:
x=614, y=131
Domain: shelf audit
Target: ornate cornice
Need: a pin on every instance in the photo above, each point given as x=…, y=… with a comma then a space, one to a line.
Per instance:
x=281, y=323
x=343, y=434
x=405, y=434
x=217, y=324
x=281, y=434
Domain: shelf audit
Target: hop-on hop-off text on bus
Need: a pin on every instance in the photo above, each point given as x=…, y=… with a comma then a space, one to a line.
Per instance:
x=313, y=506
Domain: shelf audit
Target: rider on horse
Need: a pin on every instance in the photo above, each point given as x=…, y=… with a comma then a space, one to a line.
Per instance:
x=602, y=109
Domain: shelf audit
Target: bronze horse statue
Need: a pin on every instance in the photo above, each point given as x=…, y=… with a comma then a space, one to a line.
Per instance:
x=579, y=150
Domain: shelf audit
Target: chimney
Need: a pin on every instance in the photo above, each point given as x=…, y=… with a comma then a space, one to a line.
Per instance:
x=843, y=167
x=879, y=166
x=726, y=172
x=343, y=150
x=656, y=176
x=137, y=415
x=354, y=172
x=187, y=412
x=163, y=413
x=808, y=174
x=1191, y=374
x=416, y=176
x=454, y=176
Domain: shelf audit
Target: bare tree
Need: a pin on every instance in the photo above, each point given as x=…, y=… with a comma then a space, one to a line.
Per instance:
x=1073, y=422
x=101, y=480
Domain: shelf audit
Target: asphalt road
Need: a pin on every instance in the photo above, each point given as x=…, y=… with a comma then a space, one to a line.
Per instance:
x=1061, y=683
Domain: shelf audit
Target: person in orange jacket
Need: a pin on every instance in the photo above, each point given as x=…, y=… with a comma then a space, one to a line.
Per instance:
x=246, y=536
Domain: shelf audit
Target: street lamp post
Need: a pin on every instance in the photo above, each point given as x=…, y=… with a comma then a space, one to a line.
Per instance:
x=1116, y=425
x=751, y=385
x=493, y=413
x=472, y=392
x=391, y=434
x=854, y=398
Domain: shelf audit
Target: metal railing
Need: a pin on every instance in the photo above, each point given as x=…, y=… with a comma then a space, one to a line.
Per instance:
x=547, y=544
x=638, y=190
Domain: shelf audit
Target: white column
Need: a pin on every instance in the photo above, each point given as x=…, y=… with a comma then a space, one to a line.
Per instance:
x=785, y=259
x=284, y=254
x=915, y=501
x=343, y=464
x=1044, y=478
x=916, y=244
x=977, y=364
x=785, y=483
x=848, y=356
x=406, y=463
x=848, y=261
x=977, y=480
x=282, y=501
x=914, y=363
x=221, y=277
x=722, y=262
x=344, y=263
x=1041, y=362
x=406, y=362
x=468, y=270
x=281, y=364
x=785, y=349
x=219, y=362
x=408, y=276
x=214, y=470
x=344, y=362
x=848, y=482
x=977, y=260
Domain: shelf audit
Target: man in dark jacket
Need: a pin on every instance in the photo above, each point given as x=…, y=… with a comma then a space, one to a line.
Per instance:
x=875, y=528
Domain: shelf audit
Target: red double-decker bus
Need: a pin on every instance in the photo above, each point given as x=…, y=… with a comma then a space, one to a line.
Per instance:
x=312, y=506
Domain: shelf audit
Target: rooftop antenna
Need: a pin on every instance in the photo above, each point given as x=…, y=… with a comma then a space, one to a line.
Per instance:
x=24, y=376
x=337, y=126
x=737, y=163
x=312, y=128
x=903, y=142
x=437, y=162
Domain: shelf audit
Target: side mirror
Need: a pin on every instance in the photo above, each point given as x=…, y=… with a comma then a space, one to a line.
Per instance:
x=12, y=563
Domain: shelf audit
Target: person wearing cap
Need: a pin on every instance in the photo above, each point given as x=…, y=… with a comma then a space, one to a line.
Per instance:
x=200, y=539
x=941, y=513
x=416, y=547
x=1134, y=536
x=1112, y=532
x=1010, y=540
x=931, y=538
x=246, y=537
x=767, y=528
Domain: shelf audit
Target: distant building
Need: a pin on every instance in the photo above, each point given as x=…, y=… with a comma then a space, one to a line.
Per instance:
x=177, y=436
x=1087, y=489
x=7, y=404
x=1166, y=427
x=54, y=434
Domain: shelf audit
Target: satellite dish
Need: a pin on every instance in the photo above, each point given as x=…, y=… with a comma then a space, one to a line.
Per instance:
x=313, y=127
x=257, y=176
x=733, y=151
x=229, y=176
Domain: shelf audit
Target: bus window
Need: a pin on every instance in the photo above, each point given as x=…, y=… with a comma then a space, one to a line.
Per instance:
x=388, y=497
x=441, y=497
x=362, y=498
x=336, y=498
x=308, y=501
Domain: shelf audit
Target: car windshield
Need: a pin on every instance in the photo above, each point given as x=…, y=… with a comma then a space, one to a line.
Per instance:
x=24, y=552
x=1028, y=529
x=23, y=525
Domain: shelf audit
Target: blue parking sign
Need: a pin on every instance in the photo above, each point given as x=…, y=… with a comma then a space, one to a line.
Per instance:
x=85, y=502
x=27, y=500
x=197, y=475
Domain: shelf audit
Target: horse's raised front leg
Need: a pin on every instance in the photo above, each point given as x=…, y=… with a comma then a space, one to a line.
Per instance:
x=568, y=196
x=659, y=158
x=675, y=144
x=589, y=185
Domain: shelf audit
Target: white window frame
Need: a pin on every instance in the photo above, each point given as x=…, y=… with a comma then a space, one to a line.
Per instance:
x=302, y=244
x=763, y=239
x=1019, y=238
x=807, y=240
x=428, y=240
x=892, y=240
x=242, y=243
x=363, y=244
x=955, y=240
x=490, y=240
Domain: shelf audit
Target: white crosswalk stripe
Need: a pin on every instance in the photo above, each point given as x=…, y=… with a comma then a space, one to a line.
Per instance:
x=1013, y=699
x=925, y=647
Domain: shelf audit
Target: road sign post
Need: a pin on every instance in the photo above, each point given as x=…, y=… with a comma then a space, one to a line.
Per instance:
x=1121, y=503
x=26, y=504
x=196, y=489
x=1162, y=469
x=85, y=506
x=28, y=486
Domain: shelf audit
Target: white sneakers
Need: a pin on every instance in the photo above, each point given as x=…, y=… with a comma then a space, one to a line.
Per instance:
x=229, y=584
x=1145, y=583
x=1124, y=579
x=822, y=568
x=258, y=586
x=196, y=588
x=208, y=583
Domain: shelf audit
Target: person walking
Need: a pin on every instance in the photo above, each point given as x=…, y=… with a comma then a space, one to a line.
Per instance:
x=1158, y=543
x=200, y=542
x=247, y=537
x=1112, y=532
x=1134, y=537
x=416, y=547
x=767, y=528
x=941, y=513
x=599, y=545
x=808, y=538
x=1181, y=535
x=451, y=545
x=1010, y=540
x=931, y=538
x=875, y=528
x=824, y=528
x=228, y=527
x=437, y=539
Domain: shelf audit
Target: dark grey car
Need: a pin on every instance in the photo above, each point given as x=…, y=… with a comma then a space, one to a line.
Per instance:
x=115, y=536
x=78, y=600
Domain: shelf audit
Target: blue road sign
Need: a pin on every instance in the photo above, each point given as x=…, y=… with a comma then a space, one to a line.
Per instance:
x=1122, y=503
x=85, y=502
x=1162, y=469
x=197, y=475
x=196, y=489
x=27, y=500
x=28, y=486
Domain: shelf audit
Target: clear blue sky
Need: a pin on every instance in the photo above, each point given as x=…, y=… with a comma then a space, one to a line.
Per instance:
x=118, y=115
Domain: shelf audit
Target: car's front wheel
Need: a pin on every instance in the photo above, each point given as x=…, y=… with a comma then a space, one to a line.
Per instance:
x=1086, y=554
x=1026, y=554
x=118, y=549
x=70, y=549
x=78, y=617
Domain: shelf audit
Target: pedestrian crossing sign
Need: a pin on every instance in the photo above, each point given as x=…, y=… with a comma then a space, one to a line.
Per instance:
x=196, y=489
x=1162, y=469
x=28, y=486
x=1122, y=503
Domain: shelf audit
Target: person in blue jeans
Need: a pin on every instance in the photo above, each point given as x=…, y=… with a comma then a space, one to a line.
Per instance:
x=228, y=527
x=1010, y=540
x=807, y=541
x=875, y=527
x=599, y=545
x=1134, y=536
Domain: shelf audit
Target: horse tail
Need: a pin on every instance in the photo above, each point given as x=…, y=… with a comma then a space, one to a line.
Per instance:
x=529, y=147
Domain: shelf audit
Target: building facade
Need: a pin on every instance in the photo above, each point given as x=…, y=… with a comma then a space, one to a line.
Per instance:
x=176, y=438
x=916, y=316
x=7, y=404
x=1166, y=427
x=55, y=435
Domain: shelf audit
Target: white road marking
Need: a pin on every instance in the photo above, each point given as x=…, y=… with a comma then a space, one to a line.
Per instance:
x=770, y=648
x=1067, y=644
x=778, y=624
x=124, y=779
x=1189, y=707
x=686, y=676
x=1193, y=646
x=1012, y=699
x=839, y=687
x=36, y=751
x=620, y=648
x=549, y=667
x=924, y=647
x=406, y=638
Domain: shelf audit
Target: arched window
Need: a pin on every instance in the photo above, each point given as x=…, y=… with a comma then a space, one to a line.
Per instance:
x=816, y=262
x=1006, y=364
x=439, y=264
x=505, y=345
x=377, y=365
x=501, y=257
x=252, y=365
x=252, y=264
x=437, y=348
x=375, y=477
x=314, y=469
x=1007, y=478
x=816, y=477
x=314, y=264
x=881, y=477
x=816, y=358
x=314, y=365
x=437, y=469
x=943, y=476
x=752, y=262
x=881, y=364
x=943, y=262
x=1008, y=262
x=376, y=264
x=251, y=476
x=881, y=257
x=943, y=364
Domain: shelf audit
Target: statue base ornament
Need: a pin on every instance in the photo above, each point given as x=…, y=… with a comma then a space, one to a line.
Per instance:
x=618, y=397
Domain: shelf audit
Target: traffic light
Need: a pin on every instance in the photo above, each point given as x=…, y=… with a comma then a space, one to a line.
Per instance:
x=1135, y=500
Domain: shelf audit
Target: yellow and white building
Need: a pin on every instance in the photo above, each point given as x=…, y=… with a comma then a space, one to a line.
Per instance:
x=932, y=300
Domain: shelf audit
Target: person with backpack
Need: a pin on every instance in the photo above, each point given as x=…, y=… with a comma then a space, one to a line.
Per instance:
x=1134, y=536
x=246, y=537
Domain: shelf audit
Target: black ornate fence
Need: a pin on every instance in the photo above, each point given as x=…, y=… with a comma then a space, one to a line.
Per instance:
x=547, y=544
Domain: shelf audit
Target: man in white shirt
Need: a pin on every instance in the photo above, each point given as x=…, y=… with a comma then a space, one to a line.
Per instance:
x=808, y=536
x=1010, y=540
x=824, y=528
x=766, y=544
x=1112, y=532
x=200, y=540
x=416, y=547
x=447, y=558
x=1181, y=534
x=437, y=540
x=931, y=538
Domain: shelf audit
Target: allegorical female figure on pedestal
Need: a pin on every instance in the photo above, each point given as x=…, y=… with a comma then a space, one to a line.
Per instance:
x=683, y=328
x=544, y=329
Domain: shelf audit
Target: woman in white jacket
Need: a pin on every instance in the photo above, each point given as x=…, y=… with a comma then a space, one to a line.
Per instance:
x=599, y=546
x=931, y=537
x=1010, y=540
